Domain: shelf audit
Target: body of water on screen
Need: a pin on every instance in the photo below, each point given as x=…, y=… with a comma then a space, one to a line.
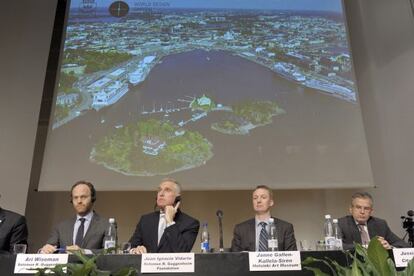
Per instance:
x=319, y=142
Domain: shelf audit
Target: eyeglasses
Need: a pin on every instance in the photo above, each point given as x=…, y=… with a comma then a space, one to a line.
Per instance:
x=362, y=208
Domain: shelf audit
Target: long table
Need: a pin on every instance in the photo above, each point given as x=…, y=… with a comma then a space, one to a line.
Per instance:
x=221, y=264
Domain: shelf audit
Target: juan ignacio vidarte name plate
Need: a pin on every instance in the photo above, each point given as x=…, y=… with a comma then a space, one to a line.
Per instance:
x=167, y=263
x=274, y=261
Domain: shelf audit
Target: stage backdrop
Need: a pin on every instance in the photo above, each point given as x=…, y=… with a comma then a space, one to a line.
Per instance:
x=218, y=94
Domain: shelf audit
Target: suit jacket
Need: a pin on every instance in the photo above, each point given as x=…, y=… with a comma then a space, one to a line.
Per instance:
x=62, y=235
x=376, y=227
x=179, y=237
x=13, y=229
x=244, y=236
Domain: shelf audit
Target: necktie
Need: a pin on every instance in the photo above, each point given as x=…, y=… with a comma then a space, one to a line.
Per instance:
x=161, y=226
x=79, y=234
x=263, y=237
x=364, y=234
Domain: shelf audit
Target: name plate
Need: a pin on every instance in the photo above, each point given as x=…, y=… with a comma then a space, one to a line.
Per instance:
x=402, y=256
x=274, y=261
x=167, y=263
x=26, y=263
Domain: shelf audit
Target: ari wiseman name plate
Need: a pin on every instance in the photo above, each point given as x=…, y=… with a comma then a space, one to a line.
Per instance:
x=27, y=263
x=167, y=263
x=273, y=261
x=402, y=256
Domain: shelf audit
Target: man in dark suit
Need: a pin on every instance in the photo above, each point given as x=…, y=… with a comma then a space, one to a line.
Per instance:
x=84, y=231
x=166, y=230
x=247, y=235
x=13, y=230
x=361, y=227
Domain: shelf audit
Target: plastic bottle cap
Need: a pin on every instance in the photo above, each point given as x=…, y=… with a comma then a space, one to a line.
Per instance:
x=111, y=220
x=327, y=216
x=335, y=220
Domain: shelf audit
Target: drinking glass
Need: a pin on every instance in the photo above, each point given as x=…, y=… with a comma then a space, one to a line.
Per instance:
x=305, y=245
x=19, y=248
x=320, y=245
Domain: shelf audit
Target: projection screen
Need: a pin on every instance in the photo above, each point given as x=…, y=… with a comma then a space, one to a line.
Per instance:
x=224, y=94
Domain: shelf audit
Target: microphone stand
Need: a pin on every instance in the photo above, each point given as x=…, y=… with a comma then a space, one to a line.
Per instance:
x=221, y=235
x=408, y=225
x=220, y=216
x=410, y=231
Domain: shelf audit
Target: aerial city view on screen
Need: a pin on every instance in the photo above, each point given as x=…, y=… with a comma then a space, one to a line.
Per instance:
x=188, y=75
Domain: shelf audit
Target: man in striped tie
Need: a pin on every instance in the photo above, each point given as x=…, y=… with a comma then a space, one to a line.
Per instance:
x=252, y=235
x=360, y=226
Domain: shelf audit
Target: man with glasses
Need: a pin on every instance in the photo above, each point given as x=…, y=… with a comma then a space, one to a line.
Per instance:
x=361, y=227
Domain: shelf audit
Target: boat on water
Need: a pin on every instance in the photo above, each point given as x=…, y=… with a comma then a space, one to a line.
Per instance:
x=109, y=95
x=138, y=75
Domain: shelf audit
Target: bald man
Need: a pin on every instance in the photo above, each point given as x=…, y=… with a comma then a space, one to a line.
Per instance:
x=167, y=230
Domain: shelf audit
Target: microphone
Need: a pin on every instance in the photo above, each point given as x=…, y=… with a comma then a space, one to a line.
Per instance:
x=410, y=213
x=219, y=215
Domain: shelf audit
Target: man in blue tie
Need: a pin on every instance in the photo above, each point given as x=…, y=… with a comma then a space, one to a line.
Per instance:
x=252, y=234
x=86, y=230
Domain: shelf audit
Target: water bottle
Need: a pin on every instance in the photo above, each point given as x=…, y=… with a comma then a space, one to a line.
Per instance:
x=337, y=234
x=110, y=239
x=205, y=239
x=329, y=233
x=272, y=241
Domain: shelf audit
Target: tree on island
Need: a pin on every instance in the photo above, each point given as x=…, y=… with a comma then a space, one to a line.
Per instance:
x=203, y=103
